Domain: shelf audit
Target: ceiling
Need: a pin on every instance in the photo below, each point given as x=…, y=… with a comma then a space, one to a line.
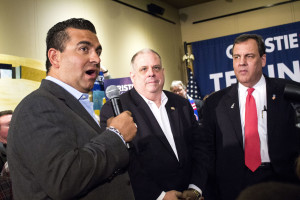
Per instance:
x=184, y=3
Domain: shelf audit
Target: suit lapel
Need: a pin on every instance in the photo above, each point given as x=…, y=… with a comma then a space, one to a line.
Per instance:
x=273, y=103
x=173, y=115
x=148, y=116
x=71, y=102
x=233, y=109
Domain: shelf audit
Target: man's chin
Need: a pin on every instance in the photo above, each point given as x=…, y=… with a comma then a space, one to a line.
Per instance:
x=154, y=90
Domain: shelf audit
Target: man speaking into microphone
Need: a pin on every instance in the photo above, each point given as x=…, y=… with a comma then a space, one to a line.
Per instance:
x=162, y=165
x=57, y=149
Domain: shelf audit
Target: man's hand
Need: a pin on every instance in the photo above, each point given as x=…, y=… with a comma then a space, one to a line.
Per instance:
x=172, y=195
x=125, y=124
x=191, y=194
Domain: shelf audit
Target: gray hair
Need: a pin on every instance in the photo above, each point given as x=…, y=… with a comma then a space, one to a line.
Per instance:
x=177, y=83
x=146, y=50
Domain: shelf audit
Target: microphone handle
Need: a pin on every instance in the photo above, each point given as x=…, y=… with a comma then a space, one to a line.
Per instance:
x=117, y=107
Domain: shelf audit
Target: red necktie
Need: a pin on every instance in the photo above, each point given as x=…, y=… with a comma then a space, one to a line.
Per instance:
x=252, y=143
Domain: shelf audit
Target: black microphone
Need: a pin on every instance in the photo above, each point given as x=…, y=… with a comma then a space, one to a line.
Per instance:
x=292, y=92
x=113, y=93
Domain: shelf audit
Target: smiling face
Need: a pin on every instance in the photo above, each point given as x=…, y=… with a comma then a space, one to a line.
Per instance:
x=147, y=75
x=78, y=64
x=247, y=63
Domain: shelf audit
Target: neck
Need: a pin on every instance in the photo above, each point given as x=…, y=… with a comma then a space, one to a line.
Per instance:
x=156, y=98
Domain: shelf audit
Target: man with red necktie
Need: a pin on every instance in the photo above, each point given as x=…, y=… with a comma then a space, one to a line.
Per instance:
x=251, y=125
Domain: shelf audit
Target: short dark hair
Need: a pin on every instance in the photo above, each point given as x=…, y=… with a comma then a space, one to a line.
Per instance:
x=6, y=112
x=259, y=40
x=57, y=35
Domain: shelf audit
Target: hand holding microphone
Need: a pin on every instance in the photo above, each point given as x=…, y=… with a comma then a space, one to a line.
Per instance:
x=122, y=120
x=125, y=124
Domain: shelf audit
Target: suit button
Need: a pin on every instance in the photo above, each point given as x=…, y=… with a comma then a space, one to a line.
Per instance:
x=128, y=182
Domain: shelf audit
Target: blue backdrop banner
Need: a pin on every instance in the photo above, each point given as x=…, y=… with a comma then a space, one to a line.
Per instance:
x=213, y=60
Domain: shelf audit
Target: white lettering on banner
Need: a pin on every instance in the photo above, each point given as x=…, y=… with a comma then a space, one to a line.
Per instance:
x=216, y=78
x=271, y=72
x=282, y=70
x=124, y=88
x=280, y=42
x=228, y=79
x=228, y=51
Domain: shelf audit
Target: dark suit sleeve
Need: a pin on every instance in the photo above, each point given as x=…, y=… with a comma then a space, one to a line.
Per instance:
x=59, y=152
x=204, y=151
x=201, y=152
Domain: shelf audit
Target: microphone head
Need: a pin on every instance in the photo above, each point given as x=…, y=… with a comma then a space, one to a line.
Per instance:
x=112, y=91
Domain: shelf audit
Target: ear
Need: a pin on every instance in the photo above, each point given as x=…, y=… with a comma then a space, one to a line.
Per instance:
x=263, y=60
x=54, y=57
x=132, y=75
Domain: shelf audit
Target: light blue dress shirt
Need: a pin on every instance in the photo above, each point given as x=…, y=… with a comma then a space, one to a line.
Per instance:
x=82, y=97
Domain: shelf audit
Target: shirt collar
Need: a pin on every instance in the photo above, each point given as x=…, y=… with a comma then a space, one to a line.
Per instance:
x=78, y=95
x=260, y=83
x=164, y=99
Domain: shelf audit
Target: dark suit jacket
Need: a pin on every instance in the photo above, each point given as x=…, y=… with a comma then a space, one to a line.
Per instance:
x=221, y=120
x=5, y=188
x=153, y=165
x=57, y=150
x=3, y=156
x=199, y=105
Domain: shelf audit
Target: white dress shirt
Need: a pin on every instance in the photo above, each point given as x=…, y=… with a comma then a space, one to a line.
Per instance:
x=162, y=118
x=260, y=97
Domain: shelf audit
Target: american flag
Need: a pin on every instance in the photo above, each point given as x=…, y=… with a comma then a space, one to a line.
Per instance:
x=192, y=88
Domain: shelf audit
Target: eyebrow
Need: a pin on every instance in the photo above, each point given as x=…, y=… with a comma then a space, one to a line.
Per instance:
x=245, y=54
x=90, y=44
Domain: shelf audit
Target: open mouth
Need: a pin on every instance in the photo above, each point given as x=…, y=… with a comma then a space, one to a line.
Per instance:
x=90, y=72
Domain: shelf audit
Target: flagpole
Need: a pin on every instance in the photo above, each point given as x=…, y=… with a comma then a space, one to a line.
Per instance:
x=192, y=88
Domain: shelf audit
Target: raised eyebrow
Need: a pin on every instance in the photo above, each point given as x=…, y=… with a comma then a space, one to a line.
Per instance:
x=99, y=48
x=84, y=42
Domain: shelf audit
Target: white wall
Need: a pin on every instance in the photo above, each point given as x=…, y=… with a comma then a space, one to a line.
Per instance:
x=121, y=30
x=273, y=16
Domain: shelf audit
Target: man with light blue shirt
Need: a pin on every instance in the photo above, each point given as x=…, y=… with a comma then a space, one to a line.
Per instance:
x=57, y=149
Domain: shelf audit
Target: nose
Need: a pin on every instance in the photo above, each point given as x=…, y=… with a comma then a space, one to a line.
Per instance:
x=95, y=58
x=243, y=60
x=150, y=72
